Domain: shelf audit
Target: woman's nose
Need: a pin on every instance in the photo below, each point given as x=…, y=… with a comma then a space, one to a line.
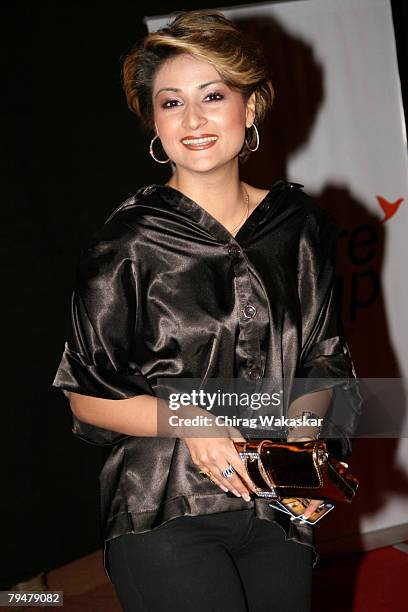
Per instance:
x=193, y=117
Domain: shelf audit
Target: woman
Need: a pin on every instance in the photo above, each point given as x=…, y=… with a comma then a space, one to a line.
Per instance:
x=203, y=277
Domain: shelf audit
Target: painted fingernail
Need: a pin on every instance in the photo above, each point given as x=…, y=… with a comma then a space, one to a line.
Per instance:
x=224, y=489
x=246, y=497
x=236, y=492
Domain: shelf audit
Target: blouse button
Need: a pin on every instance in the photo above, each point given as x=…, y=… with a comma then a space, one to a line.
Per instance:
x=254, y=374
x=249, y=311
x=234, y=250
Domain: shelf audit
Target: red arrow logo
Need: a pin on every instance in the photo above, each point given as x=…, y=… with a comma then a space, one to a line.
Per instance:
x=389, y=208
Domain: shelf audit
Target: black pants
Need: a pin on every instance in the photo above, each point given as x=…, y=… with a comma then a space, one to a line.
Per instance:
x=222, y=562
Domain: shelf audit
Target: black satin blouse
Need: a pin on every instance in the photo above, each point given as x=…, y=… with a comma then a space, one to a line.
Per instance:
x=165, y=290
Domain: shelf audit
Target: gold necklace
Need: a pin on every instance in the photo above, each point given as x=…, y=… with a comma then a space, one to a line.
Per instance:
x=247, y=211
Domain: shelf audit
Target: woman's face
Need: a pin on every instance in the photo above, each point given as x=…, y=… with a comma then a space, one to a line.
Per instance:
x=190, y=100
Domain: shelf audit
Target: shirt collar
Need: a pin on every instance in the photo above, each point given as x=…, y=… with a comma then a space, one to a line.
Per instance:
x=184, y=204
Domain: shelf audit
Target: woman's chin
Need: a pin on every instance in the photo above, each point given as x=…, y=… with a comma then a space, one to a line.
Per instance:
x=203, y=164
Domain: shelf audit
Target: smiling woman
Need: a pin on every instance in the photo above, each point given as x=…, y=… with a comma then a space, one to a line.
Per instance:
x=200, y=118
x=205, y=103
x=207, y=36
x=204, y=277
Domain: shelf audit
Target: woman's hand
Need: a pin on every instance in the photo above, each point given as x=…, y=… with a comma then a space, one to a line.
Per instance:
x=312, y=506
x=213, y=455
x=314, y=503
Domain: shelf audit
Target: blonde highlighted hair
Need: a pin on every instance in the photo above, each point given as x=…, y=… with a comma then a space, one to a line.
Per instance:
x=207, y=35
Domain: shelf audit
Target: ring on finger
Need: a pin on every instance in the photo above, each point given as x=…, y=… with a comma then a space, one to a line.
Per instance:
x=206, y=474
x=228, y=472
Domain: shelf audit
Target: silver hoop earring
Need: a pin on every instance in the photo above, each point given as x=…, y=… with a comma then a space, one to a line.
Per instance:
x=159, y=161
x=257, y=139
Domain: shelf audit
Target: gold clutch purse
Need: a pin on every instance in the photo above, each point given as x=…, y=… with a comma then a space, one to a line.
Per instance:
x=289, y=472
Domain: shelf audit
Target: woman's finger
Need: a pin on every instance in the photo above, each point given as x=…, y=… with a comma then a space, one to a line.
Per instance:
x=239, y=480
x=231, y=483
x=239, y=466
x=226, y=484
x=214, y=479
x=312, y=506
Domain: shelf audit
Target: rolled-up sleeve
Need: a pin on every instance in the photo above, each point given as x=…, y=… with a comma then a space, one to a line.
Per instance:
x=98, y=358
x=325, y=360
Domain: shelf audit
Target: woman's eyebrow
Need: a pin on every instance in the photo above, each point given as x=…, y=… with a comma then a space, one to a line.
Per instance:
x=178, y=89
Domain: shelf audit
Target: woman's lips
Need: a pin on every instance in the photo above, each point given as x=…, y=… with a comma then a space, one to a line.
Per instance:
x=199, y=146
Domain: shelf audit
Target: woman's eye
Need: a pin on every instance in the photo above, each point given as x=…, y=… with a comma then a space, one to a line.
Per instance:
x=164, y=105
x=215, y=96
x=215, y=93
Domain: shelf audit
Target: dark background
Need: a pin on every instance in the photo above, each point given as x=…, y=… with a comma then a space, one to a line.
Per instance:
x=72, y=153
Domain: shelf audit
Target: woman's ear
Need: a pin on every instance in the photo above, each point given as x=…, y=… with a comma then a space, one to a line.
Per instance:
x=250, y=110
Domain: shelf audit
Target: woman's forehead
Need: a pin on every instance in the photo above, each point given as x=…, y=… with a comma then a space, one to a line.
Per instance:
x=185, y=72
